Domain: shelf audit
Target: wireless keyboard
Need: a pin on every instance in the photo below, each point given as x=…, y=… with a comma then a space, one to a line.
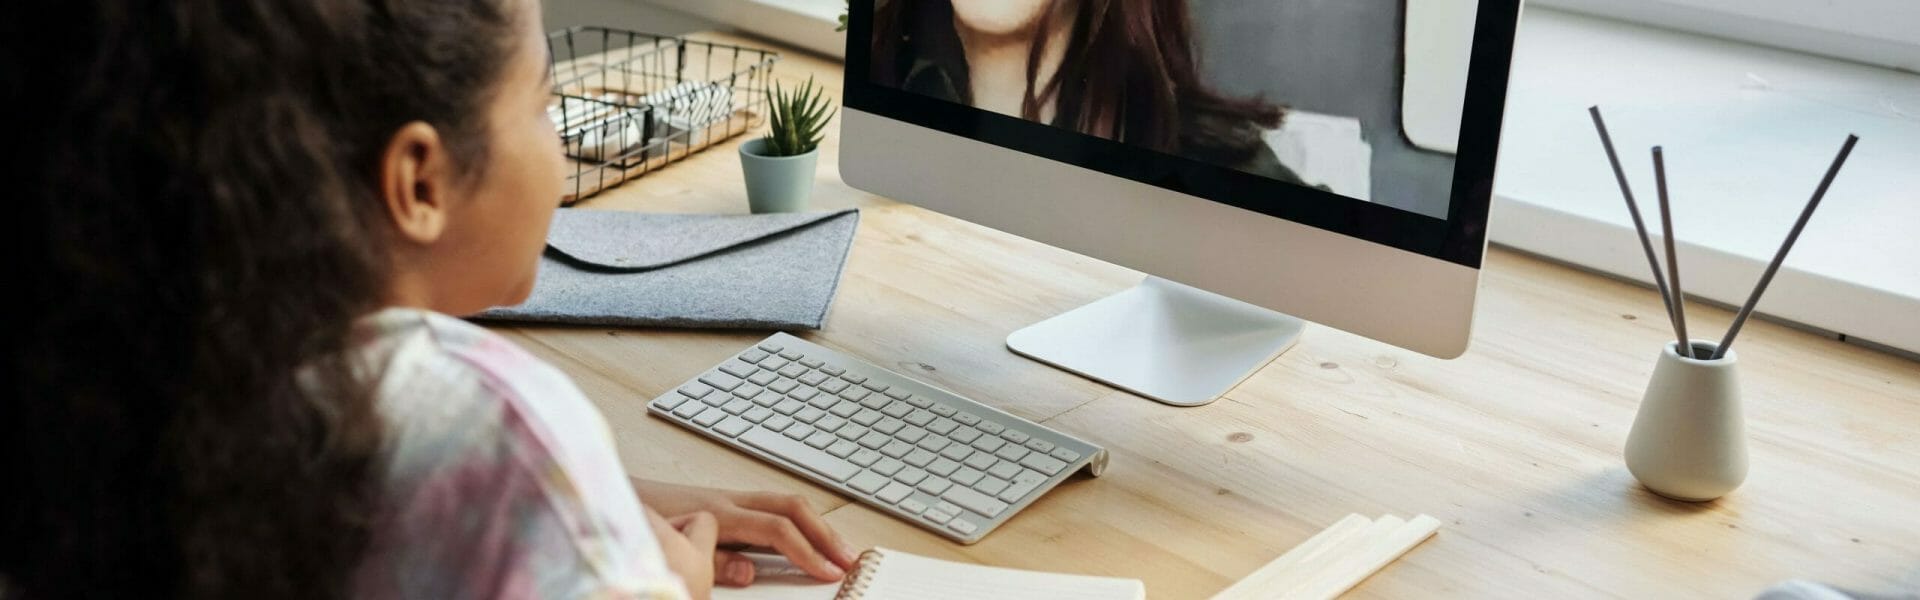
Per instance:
x=926, y=455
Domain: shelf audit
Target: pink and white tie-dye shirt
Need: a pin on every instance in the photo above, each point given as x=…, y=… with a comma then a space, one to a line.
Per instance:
x=501, y=478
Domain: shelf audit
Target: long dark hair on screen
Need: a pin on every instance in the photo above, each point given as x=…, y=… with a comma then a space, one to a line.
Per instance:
x=195, y=227
x=1129, y=74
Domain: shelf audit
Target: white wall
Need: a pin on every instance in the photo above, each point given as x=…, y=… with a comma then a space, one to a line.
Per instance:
x=637, y=15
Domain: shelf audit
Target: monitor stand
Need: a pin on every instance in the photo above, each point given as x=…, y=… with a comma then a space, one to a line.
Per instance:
x=1176, y=344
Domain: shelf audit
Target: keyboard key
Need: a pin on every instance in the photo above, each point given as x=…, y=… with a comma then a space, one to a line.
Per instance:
x=888, y=466
x=873, y=385
x=854, y=378
x=737, y=369
x=798, y=431
x=876, y=401
x=910, y=434
x=933, y=443
x=803, y=394
x=844, y=409
x=866, y=417
x=934, y=485
x=897, y=394
x=842, y=448
x=733, y=426
x=856, y=394
x=1002, y=469
x=747, y=390
x=833, y=386
x=809, y=415
x=942, y=426
x=695, y=391
x=990, y=486
x=987, y=443
x=813, y=378
x=762, y=378
x=966, y=476
x=895, y=448
x=1043, y=464
x=963, y=526
x=809, y=362
x=875, y=440
x=981, y=461
x=897, y=409
x=1014, y=436
x=888, y=425
x=1012, y=452
x=967, y=418
x=943, y=410
x=918, y=417
x=957, y=452
x=919, y=458
x=720, y=399
x=790, y=355
x=794, y=372
x=1016, y=491
x=833, y=469
x=915, y=507
x=688, y=410
x=990, y=427
x=821, y=439
x=831, y=370
x=946, y=507
x=975, y=501
x=783, y=386
x=910, y=475
x=720, y=381
x=671, y=401
x=1029, y=476
x=1041, y=446
x=829, y=423
x=853, y=432
x=965, y=435
x=774, y=364
x=777, y=422
x=894, y=492
x=918, y=402
x=758, y=414
x=943, y=467
x=708, y=417
x=737, y=406
x=771, y=348
x=1064, y=455
x=937, y=517
x=788, y=407
x=867, y=481
x=864, y=458
x=824, y=401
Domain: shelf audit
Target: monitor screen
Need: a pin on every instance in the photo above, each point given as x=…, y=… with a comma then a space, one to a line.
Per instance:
x=1307, y=93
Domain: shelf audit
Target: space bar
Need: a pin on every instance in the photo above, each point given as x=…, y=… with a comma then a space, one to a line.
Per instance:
x=801, y=454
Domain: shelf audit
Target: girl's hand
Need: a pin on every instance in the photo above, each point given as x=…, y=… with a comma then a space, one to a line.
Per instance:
x=784, y=522
x=687, y=543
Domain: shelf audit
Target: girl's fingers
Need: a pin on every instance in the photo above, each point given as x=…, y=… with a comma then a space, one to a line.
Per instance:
x=816, y=530
x=777, y=532
x=732, y=568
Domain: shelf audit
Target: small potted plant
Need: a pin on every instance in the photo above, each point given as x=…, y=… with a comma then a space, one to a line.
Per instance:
x=779, y=167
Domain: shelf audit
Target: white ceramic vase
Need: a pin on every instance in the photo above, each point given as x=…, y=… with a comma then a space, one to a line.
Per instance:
x=1689, y=440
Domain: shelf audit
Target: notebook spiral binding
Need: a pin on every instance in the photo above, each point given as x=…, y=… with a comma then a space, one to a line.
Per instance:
x=863, y=571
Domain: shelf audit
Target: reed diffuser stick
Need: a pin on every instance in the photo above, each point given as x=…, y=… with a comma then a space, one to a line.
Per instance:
x=1679, y=298
x=1639, y=226
x=1753, y=300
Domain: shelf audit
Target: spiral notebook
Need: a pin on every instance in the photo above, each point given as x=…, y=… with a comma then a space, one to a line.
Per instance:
x=884, y=574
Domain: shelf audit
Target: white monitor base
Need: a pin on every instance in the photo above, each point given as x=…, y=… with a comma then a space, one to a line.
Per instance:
x=1176, y=344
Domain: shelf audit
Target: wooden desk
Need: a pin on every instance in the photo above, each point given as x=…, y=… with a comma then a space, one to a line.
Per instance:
x=1516, y=447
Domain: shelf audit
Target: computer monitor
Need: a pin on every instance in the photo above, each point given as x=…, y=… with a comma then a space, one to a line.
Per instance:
x=1262, y=161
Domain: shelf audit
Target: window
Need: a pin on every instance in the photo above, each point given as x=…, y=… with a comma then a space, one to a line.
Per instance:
x=1877, y=32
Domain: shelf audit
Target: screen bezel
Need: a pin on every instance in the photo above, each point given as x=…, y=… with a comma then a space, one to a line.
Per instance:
x=1460, y=238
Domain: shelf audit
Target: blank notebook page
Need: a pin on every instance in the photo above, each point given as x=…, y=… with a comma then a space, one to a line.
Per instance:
x=904, y=576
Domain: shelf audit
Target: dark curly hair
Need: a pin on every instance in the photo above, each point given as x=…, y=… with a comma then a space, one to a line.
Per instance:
x=195, y=227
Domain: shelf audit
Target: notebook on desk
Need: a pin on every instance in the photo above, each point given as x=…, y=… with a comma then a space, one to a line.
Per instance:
x=884, y=574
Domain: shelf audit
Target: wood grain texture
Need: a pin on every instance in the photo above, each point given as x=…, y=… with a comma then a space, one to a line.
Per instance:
x=1516, y=447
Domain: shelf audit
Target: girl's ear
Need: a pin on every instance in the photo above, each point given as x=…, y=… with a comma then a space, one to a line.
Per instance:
x=416, y=182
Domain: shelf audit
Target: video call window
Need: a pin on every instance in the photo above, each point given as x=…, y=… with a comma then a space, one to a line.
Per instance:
x=1307, y=92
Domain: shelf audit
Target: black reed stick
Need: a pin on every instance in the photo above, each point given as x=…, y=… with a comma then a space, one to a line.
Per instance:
x=1646, y=245
x=1781, y=256
x=1679, y=298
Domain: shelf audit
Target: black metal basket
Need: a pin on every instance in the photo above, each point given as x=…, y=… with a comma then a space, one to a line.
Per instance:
x=627, y=103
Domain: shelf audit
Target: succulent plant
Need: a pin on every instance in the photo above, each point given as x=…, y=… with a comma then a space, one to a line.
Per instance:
x=797, y=118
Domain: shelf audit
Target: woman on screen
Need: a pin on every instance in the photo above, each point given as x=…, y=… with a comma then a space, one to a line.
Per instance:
x=1118, y=69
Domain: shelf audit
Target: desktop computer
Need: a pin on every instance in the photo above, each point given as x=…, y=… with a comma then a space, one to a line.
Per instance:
x=1263, y=162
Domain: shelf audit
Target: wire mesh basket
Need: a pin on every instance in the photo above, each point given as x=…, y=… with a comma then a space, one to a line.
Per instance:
x=627, y=103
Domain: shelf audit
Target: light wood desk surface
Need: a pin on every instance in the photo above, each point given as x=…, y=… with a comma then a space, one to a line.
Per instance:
x=1516, y=447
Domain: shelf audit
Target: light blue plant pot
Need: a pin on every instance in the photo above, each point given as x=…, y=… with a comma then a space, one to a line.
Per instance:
x=776, y=184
